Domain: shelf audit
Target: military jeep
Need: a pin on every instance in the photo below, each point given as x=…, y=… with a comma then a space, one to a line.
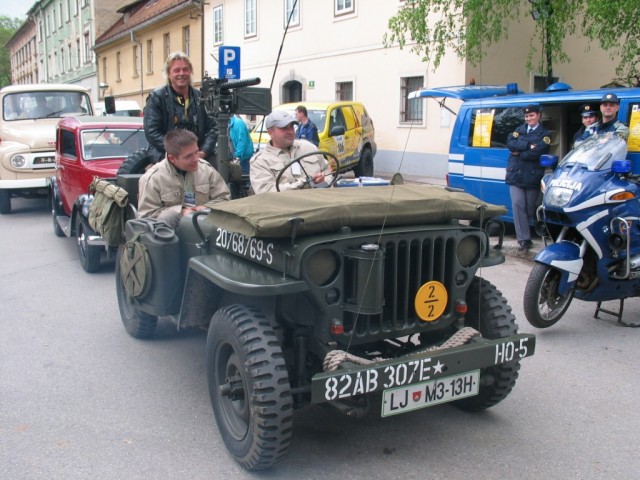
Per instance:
x=351, y=297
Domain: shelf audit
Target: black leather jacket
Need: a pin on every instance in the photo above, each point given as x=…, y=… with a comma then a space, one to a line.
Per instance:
x=162, y=114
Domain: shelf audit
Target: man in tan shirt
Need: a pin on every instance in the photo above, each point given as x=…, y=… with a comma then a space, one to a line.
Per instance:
x=282, y=149
x=180, y=184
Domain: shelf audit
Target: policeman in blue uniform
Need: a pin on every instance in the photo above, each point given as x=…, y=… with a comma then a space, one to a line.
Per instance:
x=589, y=117
x=524, y=172
x=609, y=106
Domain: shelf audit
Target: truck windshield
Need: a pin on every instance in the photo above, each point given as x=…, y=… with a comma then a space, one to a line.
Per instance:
x=47, y=104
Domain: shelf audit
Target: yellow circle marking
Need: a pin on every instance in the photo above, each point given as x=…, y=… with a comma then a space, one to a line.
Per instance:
x=430, y=301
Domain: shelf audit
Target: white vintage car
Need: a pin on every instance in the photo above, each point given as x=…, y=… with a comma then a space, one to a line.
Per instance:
x=29, y=115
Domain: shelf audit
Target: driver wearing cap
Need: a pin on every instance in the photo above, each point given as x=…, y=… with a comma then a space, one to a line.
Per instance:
x=281, y=150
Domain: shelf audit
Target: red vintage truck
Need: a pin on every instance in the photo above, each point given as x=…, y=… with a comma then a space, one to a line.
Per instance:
x=88, y=147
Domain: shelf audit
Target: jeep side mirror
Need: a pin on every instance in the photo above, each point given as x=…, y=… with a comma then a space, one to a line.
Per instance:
x=110, y=104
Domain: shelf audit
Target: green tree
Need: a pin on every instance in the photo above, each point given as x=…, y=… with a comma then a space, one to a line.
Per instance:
x=468, y=27
x=8, y=26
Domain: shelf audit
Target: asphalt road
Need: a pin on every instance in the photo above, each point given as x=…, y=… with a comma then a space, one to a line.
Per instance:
x=79, y=398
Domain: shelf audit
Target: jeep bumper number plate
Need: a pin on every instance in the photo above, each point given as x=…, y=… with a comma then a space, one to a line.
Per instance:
x=426, y=394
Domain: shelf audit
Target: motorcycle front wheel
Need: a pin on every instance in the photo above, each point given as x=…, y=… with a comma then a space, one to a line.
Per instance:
x=543, y=304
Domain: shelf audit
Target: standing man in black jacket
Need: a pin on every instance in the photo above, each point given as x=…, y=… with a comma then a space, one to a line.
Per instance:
x=176, y=105
x=524, y=172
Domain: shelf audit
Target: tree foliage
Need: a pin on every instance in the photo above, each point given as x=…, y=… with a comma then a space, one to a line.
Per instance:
x=8, y=26
x=469, y=27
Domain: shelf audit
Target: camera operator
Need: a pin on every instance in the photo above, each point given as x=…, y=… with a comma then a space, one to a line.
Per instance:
x=176, y=106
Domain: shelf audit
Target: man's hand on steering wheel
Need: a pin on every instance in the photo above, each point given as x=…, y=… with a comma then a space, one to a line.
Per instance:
x=318, y=179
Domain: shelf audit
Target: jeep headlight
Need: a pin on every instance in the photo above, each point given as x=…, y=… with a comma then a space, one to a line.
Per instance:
x=468, y=251
x=18, y=161
x=322, y=267
x=558, y=196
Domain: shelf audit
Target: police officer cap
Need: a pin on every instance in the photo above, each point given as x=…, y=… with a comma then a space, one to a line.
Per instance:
x=587, y=110
x=533, y=108
x=610, y=97
x=280, y=119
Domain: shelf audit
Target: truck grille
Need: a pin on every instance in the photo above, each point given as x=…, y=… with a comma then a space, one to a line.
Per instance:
x=408, y=263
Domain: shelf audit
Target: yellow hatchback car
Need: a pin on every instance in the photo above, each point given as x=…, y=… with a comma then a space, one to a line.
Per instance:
x=345, y=129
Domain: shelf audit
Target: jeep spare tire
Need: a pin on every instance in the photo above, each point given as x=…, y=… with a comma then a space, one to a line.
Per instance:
x=136, y=162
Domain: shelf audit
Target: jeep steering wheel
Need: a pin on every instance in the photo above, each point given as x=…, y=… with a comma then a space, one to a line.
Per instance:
x=333, y=169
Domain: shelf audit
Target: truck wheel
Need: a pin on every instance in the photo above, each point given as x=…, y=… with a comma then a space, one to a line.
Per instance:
x=489, y=313
x=137, y=324
x=89, y=254
x=5, y=201
x=136, y=162
x=364, y=168
x=543, y=305
x=249, y=386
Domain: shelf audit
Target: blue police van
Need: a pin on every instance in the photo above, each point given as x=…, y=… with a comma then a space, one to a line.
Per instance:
x=488, y=114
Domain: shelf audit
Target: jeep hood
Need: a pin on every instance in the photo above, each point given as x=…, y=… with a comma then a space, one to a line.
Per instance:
x=37, y=134
x=327, y=209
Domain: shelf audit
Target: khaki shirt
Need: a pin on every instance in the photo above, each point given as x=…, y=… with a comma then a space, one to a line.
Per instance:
x=267, y=163
x=162, y=189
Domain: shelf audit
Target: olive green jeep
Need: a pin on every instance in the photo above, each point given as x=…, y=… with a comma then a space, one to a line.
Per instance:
x=351, y=297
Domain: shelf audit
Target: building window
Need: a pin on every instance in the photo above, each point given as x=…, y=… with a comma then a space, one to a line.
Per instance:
x=118, y=77
x=292, y=9
x=70, y=56
x=61, y=59
x=250, y=18
x=217, y=25
x=344, y=91
x=87, y=47
x=540, y=82
x=136, y=60
x=186, y=40
x=149, y=56
x=69, y=10
x=78, y=52
x=411, y=109
x=60, y=18
x=166, y=42
x=104, y=69
x=343, y=7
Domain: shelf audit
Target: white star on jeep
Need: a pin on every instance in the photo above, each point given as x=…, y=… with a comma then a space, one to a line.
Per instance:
x=437, y=368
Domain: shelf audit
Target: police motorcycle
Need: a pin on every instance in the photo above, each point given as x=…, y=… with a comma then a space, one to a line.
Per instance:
x=591, y=213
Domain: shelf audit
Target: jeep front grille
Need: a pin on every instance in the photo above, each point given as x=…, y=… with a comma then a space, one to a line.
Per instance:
x=409, y=262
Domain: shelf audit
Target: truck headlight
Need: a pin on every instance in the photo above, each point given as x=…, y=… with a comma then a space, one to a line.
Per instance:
x=322, y=267
x=18, y=161
x=468, y=251
x=558, y=196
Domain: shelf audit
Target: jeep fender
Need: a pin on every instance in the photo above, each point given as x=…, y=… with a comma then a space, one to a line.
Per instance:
x=210, y=276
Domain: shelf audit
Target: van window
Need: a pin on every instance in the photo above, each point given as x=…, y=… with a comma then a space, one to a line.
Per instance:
x=493, y=126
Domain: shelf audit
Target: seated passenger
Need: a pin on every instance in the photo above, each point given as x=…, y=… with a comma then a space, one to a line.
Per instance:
x=74, y=105
x=180, y=184
x=282, y=149
x=42, y=109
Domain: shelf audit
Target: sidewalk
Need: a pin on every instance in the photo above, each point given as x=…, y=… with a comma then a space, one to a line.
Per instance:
x=509, y=244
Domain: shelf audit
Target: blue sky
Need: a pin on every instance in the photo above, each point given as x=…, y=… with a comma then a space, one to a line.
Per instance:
x=16, y=8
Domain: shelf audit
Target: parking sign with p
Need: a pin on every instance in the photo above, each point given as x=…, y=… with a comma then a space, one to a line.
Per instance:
x=229, y=62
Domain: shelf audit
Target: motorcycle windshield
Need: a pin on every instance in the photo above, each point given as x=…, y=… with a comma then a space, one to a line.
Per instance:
x=597, y=152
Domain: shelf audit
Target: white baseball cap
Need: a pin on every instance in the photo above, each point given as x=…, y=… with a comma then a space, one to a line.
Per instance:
x=279, y=119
